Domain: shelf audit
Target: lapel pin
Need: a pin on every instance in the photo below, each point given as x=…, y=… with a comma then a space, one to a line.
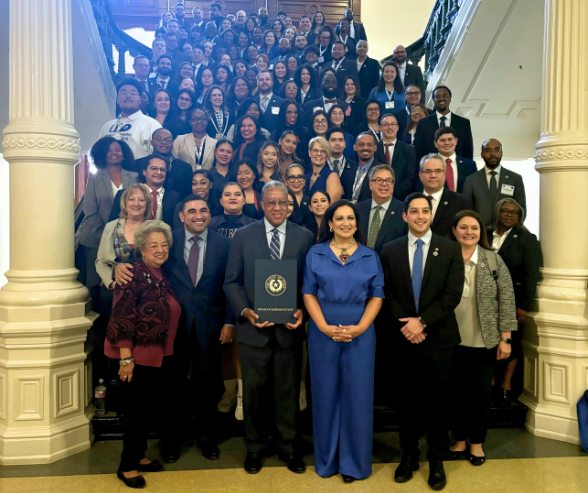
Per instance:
x=516, y=236
x=436, y=252
x=445, y=203
x=394, y=211
x=506, y=176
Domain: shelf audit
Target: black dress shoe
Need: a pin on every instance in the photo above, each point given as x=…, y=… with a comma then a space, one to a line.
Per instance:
x=456, y=454
x=477, y=461
x=504, y=397
x=294, y=462
x=136, y=482
x=404, y=470
x=347, y=479
x=437, y=478
x=170, y=454
x=252, y=463
x=153, y=466
x=211, y=452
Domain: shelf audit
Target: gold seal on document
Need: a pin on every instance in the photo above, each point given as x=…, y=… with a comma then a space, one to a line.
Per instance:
x=275, y=285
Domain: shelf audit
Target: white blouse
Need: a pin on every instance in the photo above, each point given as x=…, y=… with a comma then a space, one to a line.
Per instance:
x=466, y=312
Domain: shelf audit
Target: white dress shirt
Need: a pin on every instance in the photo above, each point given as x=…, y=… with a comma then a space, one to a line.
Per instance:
x=498, y=241
x=412, y=247
x=341, y=165
x=328, y=105
x=269, y=100
x=391, y=149
x=115, y=189
x=436, y=197
x=201, y=252
x=159, y=213
x=489, y=176
x=447, y=116
x=466, y=312
x=384, y=208
x=402, y=71
x=269, y=232
x=352, y=29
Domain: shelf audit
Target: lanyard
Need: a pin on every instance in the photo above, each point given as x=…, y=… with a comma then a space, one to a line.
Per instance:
x=389, y=94
x=359, y=177
x=199, y=151
x=220, y=132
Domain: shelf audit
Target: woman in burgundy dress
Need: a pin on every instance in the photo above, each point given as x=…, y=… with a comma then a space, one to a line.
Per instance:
x=140, y=343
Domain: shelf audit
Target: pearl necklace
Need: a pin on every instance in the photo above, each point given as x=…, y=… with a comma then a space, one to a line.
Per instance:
x=343, y=256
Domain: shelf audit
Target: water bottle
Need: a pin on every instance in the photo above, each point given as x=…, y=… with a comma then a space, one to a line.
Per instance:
x=100, y=397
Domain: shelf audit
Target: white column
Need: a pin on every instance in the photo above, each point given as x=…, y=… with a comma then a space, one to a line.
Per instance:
x=44, y=311
x=556, y=339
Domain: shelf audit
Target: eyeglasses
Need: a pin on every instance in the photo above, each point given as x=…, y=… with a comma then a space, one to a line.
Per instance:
x=185, y=100
x=382, y=181
x=282, y=204
x=433, y=171
x=295, y=178
x=413, y=93
x=318, y=151
x=167, y=140
x=373, y=110
x=199, y=119
x=128, y=93
x=509, y=212
x=320, y=122
x=158, y=170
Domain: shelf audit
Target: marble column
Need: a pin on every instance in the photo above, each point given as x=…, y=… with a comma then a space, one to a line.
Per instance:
x=556, y=338
x=44, y=311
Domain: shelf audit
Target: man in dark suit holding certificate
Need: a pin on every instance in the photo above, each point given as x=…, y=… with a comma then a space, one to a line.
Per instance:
x=269, y=352
x=424, y=276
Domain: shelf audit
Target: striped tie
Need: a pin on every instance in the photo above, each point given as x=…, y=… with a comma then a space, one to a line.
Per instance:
x=275, y=245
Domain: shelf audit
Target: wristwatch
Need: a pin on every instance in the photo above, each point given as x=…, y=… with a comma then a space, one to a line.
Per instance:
x=127, y=361
x=507, y=340
x=422, y=323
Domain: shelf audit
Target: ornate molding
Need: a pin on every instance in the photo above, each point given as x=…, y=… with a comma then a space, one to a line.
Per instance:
x=60, y=143
x=544, y=155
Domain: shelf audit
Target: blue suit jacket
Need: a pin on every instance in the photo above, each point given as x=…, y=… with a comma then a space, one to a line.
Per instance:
x=204, y=304
x=382, y=98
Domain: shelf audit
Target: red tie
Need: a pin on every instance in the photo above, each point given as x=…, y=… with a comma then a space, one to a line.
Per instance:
x=449, y=176
x=154, y=194
x=387, y=154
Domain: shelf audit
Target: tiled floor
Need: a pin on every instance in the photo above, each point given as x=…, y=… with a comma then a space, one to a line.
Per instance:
x=549, y=475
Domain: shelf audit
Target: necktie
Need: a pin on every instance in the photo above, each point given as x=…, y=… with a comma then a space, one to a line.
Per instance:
x=449, y=175
x=194, y=258
x=443, y=122
x=163, y=84
x=417, y=272
x=493, y=186
x=374, y=227
x=264, y=103
x=154, y=195
x=275, y=245
x=336, y=165
x=387, y=153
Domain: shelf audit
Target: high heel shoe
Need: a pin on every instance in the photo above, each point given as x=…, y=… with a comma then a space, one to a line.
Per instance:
x=477, y=461
x=136, y=482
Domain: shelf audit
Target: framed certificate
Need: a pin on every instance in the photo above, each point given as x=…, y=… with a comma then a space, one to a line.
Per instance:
x=276, y=289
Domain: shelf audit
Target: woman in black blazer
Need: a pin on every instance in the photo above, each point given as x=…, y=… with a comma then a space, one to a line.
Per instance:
x=368, y=68
x=306, y=79
x=248, y=138
x=521, y=252
x=351, y=94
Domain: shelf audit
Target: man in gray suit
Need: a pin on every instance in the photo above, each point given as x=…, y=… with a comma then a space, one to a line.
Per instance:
x=493, y=182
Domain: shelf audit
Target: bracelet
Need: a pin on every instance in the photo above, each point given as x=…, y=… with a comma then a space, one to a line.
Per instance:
x=127, y=361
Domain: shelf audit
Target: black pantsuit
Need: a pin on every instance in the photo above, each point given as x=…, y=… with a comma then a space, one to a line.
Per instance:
x=472, y=370
x=258, y=365
x=424, y=387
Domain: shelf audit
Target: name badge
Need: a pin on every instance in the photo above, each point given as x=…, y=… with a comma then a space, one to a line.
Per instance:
x=275, y=110
x=389, y=105
x=321, y=59
x=271, y=67
x=507, y=190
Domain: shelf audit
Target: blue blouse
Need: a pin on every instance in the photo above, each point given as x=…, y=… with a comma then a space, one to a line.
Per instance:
x=343, y=290
x=382, y=98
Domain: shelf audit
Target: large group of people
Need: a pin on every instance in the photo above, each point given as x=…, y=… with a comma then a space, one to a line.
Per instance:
x=244, y=138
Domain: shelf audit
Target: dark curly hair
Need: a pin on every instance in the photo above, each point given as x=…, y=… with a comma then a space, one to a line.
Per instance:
x=326, y=235
x=99, y=151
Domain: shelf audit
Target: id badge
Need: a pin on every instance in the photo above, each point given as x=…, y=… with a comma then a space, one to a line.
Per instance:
x=275, y=110
x=321, y=59
x=507, y=190
x=389, y=105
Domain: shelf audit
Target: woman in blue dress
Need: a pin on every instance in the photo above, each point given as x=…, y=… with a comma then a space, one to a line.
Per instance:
x=390, y=90
x=343, y=290
x=322, y=177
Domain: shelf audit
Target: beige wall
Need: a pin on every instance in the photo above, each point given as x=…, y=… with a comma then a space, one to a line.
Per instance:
x=392, y=22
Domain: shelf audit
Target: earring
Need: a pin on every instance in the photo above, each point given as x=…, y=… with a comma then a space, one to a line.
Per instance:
x=331, y=230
